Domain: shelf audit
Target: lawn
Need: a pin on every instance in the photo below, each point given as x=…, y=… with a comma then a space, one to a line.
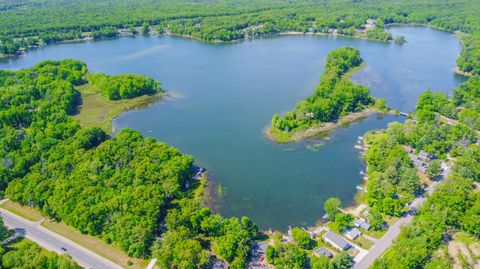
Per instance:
x=22, y=211
x=96, y=111
x=363, y=242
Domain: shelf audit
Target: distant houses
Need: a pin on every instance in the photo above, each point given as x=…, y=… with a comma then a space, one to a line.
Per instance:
x=336, y=241
x=421, y=160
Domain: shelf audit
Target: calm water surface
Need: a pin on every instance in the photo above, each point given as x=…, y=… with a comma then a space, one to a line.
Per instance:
x=223, y=95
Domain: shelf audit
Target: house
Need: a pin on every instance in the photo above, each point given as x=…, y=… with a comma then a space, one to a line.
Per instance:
x=352, y=234
x=219, y=265
x=319, y=252
x=259, y=248
x=421, y=165
x=367, y=211
x=336, y=241
x=408, y=148
x=362, y=223
x=422, y=169
x=422, y=155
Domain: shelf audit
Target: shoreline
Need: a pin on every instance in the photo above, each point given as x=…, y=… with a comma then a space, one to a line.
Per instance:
x=460, y=72
x=88, y=39
x=322, y=128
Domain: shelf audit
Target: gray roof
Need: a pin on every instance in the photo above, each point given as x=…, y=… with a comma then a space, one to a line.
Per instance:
x=260, y=247
x=362, y=223
x=353, y=233
x=323, y=252
x=336, y=240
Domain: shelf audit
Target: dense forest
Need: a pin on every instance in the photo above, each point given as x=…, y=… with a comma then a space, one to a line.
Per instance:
x=125, y=86
x=30, y=23
x=22, y=253
x=120, y=188
x=333, y=98
x=137, y=194
x=454, y=206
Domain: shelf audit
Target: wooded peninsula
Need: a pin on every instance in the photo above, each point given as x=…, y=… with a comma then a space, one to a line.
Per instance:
x=141, y=195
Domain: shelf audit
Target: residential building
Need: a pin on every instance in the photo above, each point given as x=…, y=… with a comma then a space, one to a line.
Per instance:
x=321, y=251
x=353, y=233
x=336, y=241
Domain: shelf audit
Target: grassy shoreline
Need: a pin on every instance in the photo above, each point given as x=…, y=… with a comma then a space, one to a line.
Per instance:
x=98, y=111
x=281, y=137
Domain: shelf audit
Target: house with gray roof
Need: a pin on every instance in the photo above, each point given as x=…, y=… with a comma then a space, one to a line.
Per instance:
x=362, y=223
x=321, y=251
x=336, y=241
x=353, y=233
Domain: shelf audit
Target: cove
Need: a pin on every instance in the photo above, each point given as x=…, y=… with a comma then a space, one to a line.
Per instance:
x=223, y=95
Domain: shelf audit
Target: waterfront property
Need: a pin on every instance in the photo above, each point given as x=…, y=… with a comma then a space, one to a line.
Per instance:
x=321, y=251
x=336, y=241
x=227, y=94
x=353, y=233
x=362, y=223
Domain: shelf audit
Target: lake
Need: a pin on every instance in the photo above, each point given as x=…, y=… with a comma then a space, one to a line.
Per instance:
x=221, y=96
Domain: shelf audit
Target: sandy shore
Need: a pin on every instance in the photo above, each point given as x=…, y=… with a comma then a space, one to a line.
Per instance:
x=322, y=128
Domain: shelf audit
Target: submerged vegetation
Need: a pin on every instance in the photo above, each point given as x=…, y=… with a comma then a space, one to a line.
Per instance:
x=335, y=97
x=118, y=188
x=138, y=194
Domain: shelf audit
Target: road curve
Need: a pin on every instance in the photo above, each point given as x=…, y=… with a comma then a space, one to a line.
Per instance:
x=54, y=242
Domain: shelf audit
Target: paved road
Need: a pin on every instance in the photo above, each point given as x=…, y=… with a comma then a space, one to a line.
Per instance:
x=54, y=242
x=385, y=242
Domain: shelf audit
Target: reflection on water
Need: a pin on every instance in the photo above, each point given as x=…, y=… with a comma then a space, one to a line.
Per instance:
x=223, y=95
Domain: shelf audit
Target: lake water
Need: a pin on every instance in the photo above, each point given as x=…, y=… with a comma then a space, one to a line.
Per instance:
x=223, y=95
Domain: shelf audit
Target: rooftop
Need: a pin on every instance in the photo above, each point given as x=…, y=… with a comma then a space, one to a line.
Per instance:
x=336, y=240
x=321, y=251
x=353, y=233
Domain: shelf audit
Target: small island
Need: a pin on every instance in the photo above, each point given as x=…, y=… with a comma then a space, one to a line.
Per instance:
x=335, y=101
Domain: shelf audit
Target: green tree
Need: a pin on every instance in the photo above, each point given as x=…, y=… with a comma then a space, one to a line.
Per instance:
x=177, y=249
x=332, y=207
x=434, y=169
x=145, y=28
x=343, y=221
x=341, y=261
x=303, y=238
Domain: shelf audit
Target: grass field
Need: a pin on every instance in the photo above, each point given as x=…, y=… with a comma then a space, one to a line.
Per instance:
x=97, y=111
x=22, y=211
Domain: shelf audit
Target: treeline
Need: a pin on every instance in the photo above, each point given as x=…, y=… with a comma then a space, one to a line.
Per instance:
x=464, y=106
x=225, y=20
x=125, y=86
x=469, y=58
x=22, y=253
x=392, y=178
x=334, y=97
x=121, y=189
x=194, y=232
